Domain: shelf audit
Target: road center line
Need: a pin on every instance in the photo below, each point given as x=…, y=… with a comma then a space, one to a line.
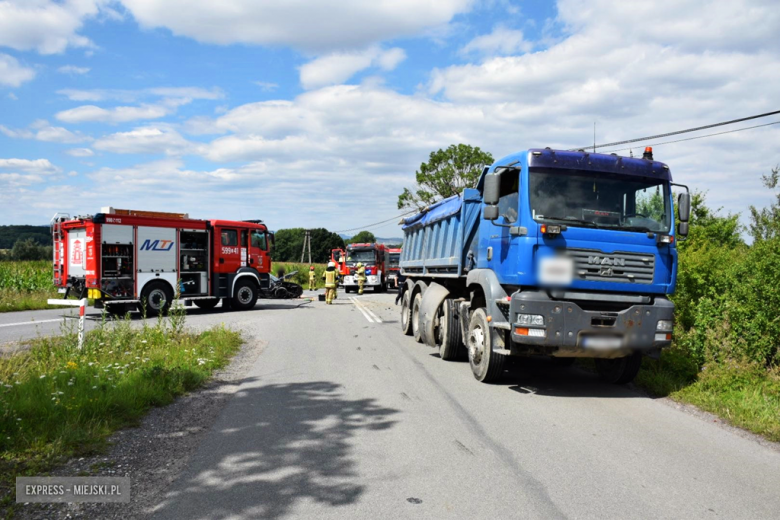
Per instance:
x=360, y=308
x=376, y=318
x=30, y=322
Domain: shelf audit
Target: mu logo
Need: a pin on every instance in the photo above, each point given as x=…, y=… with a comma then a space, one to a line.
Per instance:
x=157, y=245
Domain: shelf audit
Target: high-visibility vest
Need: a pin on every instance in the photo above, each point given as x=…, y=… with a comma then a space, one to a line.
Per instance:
x=361, y=273
x=311, y=276
x=330, y=279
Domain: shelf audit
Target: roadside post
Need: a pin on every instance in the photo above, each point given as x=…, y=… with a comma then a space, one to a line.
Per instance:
x=82, y=305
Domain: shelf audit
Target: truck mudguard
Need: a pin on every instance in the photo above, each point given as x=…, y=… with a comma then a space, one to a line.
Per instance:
x=486, y=278
x=433, y=296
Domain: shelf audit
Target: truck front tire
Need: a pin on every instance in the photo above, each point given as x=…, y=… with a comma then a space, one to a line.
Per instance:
x=619, y=371
x=486, y=365
x=245, y=295
x=156, y=299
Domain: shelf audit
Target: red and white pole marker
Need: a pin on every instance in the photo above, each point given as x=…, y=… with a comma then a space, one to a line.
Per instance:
x=82, y=305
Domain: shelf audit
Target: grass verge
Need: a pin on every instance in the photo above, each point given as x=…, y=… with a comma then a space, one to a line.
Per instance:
x=13, y=300
x=58, y=402
x=744, y=395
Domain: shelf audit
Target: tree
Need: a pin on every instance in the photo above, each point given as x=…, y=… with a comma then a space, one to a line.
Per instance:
x=707, y=225
x=362, y=238
x=29, y=249
x=765, y=223
x=446, y=173
x=289, y=243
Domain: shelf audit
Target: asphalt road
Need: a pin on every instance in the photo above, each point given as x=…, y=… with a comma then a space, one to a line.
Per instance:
x=344, y=417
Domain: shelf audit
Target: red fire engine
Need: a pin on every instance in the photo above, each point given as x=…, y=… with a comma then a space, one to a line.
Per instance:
x=393, y=266
x=140, y=258
x=372, y=256
x=339, y=257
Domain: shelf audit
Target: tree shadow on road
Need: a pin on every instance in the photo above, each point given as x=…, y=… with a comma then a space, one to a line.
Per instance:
x=277, y=445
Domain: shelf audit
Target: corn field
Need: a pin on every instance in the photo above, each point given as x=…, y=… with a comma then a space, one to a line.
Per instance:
x=26, y=276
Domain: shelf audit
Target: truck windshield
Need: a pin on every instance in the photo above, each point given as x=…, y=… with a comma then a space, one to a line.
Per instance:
x=366, y=256
x=395, y=258
x=602, y=200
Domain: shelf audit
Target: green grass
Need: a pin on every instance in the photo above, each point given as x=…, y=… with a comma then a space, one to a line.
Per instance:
x=25, y=285
x=745, y=395
x=58, y=402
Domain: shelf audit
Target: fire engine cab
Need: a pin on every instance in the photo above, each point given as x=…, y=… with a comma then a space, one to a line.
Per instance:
x=372, y=256
x=143, y=259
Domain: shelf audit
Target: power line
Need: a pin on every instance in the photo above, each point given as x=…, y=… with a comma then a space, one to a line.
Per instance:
x=698, y=137
x=361, y=228
x=678, y=132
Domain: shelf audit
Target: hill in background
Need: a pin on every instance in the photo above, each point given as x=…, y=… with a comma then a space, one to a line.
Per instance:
x=10, y=234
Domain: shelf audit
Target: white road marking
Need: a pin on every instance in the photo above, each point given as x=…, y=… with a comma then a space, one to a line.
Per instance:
x=30, y=322
x=362, y=310
x=376, y=318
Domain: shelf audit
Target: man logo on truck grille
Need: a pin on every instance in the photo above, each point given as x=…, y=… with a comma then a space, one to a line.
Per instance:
x=603, y=260
x=157, y=245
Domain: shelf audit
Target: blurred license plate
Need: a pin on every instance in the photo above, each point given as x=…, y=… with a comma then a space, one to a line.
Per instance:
x=602, y=343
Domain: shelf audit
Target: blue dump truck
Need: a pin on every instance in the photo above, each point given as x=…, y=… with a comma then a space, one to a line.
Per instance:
x=556, y=253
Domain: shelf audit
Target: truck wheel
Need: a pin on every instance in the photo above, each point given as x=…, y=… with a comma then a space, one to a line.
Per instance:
x=206, y=305
x=619, y=371
x=486, y=365
x=416, y=330
x=156, y=299
x=406, y=315
x=245, y=295
x=448, y=336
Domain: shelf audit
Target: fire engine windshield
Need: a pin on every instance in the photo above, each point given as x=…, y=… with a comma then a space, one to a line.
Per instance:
x=365, y=256
x=394, y=260
x=600, y=200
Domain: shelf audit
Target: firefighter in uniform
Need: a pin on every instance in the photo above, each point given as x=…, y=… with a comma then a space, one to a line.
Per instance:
x=361, y=276
x=312, y=282
x=331, y=277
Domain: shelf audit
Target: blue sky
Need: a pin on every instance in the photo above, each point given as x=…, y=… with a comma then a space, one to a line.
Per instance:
x=310, y=113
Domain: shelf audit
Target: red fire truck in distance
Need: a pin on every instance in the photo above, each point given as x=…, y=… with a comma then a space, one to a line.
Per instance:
x=392, y=264
x=372, y=256
x=339, y=257
x=129, y=258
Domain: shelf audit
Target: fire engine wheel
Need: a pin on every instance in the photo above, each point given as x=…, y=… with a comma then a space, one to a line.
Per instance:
x=416, y=329
x=447, y=331
x=486, y=365
x=156, y=299
x=245, y=295
x=206, y=305
x=621, y=370
x=406, y=315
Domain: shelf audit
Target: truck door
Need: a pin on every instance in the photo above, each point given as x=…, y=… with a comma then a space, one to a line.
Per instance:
x=228, y=252
x=258, y=251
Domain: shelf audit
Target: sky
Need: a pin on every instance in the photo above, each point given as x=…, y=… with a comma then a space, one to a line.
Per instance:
x=314, y=113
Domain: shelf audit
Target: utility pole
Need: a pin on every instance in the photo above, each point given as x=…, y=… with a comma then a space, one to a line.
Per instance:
x=306, y=244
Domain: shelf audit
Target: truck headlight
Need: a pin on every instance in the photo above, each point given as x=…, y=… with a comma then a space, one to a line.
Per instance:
x=530, y=319
x=666, y=325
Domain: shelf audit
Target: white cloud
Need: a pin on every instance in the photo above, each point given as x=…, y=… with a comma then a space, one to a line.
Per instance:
x=12, y=96
x=43, y=131
x=502, y=41
x=13, y=74
x=34, y=166
x=171, y=99
x=310, y=25
x=266, y=86
x=339, y=67
x=73, y=69
x=145, y=140
x=95, y=114
x=46, y=26
x=80, y=152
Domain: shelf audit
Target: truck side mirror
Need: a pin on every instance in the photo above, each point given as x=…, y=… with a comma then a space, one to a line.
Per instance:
x=684, y=207
x=492, y=189
x=682, y=229
x=272, y=240
x=490, y=212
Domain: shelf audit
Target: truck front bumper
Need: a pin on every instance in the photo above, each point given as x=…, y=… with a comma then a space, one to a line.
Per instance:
x=352, y=281
x=565, y=329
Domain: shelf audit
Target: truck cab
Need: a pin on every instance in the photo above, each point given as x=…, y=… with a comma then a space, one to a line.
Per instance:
x=372, y=256
x=392, y=266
